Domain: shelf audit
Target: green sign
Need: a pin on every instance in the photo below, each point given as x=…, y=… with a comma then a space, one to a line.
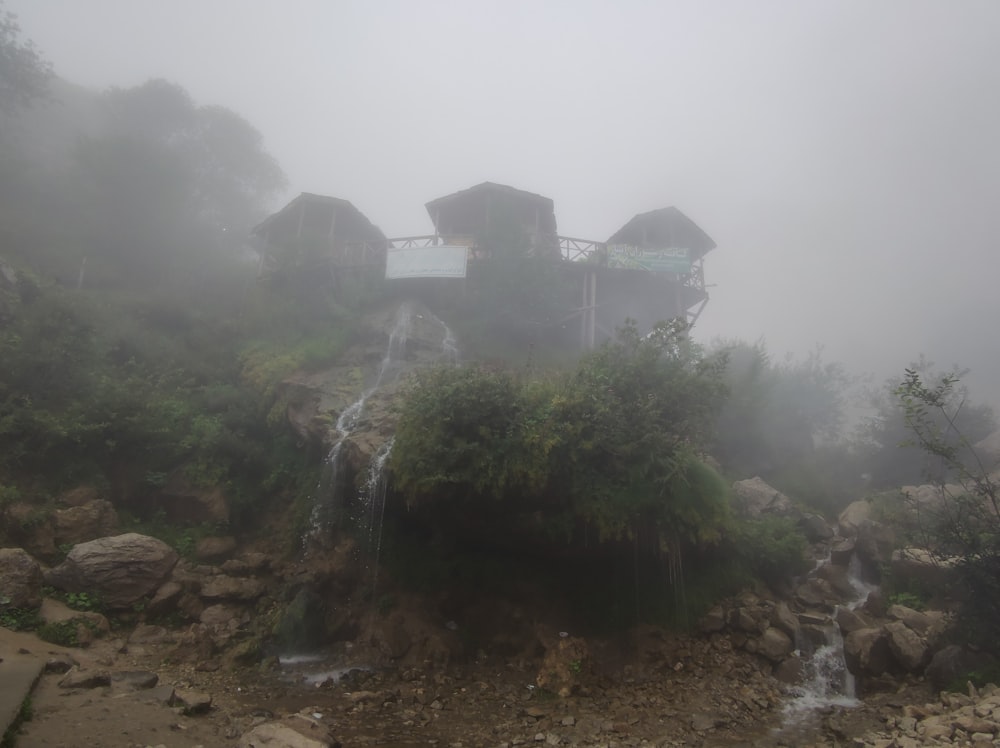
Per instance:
x=671, y=260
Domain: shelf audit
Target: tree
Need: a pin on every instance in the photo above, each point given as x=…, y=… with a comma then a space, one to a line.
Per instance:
x=884, y=439
x=167, y=182
x=962, y=526
x=776, y=415
x=24, y=73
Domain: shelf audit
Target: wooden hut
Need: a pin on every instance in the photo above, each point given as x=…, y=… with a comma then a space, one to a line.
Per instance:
x=473, y=215
x=330, y=226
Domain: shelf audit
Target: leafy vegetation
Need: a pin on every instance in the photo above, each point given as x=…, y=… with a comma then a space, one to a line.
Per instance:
x=962, y=525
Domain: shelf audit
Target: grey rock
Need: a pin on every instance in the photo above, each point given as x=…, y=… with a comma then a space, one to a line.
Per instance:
x=20, y=580
x=77, y=678
x=121, y=569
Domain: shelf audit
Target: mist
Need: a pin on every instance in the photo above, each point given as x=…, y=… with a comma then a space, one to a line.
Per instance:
x=841, y=154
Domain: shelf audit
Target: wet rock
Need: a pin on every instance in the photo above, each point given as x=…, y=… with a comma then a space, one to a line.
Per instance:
x=223, y=587
x=136, y=680
x=714, y=620
x=954, y=662
x=908, y=649
x=874, y=546
x=917, y=621
x=280, y=735
x=77, y=678
x=192, y=702
x=247, y=564
x=783, y=619
x=755, y=497
x=853, y=515
x=866, y=652
x=215, y=549
x=60, y=663
x=20, y=580
x=841, y=551
x=815, y=528
x=919, y=569
x=566, y=661
x=851, y=620
x=165, y=600
x=775, y=645
x=78, y=524
x=186, y=504
x=121, y=569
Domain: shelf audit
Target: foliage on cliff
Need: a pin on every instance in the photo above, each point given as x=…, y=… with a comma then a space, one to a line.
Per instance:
x=612, y=446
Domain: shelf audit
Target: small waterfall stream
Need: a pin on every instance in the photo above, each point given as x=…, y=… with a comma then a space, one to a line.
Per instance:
x=328, y=507
x=826, y=681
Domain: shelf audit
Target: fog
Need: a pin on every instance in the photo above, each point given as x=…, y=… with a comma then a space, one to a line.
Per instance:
x=843, y=155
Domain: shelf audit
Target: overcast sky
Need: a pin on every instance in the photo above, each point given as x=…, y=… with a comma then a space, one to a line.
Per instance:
x=845, y=156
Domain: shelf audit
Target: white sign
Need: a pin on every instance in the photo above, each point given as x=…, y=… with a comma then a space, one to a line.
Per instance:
x=446, y=261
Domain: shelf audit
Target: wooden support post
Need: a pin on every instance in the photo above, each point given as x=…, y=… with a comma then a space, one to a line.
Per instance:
x=592, y=313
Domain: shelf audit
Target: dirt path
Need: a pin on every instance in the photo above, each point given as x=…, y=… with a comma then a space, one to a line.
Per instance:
x=491, y=704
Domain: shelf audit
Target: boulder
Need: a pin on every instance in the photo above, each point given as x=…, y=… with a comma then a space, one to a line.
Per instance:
x=954, y=662
x=874, y=545
x=853, y=515
x=215, y=549
x=815, y=528
x=866, y=652
x=165, y=600
x=54, y=611
x=184, y=503
x=30, y=528
x=775, y=645
x=782, y=618
x=817, y=593
x=907, y=647
x=247, y=564
x=296, y=731
x=77, y=678
x=714, y=620
x=120, y=570
x=223, y=587
x=916, y=621
x=20, y=580
x=918, y=569
x=841, y=551
x=756, y=497
x=851, y=620
x=564, y=665
x=83, y=522
x=79, y=496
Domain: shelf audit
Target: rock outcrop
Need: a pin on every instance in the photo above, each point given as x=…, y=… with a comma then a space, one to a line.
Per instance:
x=20, y=580
x=120, y=570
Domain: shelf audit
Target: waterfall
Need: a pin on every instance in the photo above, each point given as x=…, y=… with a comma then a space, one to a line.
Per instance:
x=328, y=507
x=826, y=681
x=372, y=507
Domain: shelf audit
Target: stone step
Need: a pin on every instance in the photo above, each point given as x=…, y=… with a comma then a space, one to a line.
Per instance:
x=20, y=669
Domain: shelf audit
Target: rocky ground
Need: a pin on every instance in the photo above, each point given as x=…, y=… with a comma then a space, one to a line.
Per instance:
x=710, y=696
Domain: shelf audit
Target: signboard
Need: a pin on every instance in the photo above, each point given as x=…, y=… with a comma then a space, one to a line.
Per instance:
x=445, y=261
x=668, y=260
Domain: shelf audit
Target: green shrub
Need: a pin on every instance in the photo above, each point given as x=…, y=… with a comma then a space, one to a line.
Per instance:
x=19, y=619
x=772, y=548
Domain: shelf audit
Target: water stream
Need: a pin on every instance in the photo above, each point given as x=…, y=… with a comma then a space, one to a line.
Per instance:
x=826, y=681
x=328, y=506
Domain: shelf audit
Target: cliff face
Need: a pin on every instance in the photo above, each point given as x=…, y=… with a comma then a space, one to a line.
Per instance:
x=351, y=402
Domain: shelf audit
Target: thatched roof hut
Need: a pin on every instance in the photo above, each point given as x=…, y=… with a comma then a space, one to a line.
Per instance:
x=316, y=217
x=470, y=214
x=666, y=228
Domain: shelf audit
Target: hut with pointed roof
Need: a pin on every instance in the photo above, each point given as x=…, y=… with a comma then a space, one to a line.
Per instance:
x=471, y=216
x=319, y=226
